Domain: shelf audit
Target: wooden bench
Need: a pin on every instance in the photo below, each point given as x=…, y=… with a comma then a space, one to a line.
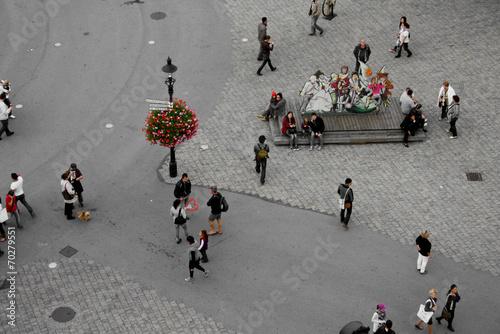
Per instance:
x=383, y=127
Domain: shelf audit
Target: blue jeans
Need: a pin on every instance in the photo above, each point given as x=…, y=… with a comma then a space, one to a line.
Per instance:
x=313, y=138
x=314, y=25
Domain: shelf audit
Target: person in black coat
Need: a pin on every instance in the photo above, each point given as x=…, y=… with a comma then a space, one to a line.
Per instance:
x=409, y=126
x=449, y=309
x=317, y=129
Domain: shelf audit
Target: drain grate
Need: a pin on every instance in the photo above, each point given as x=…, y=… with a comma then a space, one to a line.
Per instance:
x=63, y=314
x=474, y=176
x=68, y=251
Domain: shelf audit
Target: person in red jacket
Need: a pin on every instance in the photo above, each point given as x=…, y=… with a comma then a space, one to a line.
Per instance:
x=10, y=204
x=290, y=129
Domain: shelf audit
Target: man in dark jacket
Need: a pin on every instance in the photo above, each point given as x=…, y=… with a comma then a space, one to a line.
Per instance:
x=361, y=53
x=183, y=190
x=347, y=195
x=317, y=129
x=262, y=32
x=386, y=328
x=267, y=47
x=261, y=158
x=215, y=203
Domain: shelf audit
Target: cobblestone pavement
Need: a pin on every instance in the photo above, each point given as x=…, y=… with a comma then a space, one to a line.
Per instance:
x=398, y=190
x=104, y=302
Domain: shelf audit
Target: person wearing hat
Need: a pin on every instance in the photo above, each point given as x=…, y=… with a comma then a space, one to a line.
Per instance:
x=379, y=317
x=216, y=211
x=267, y=111
x=74, y=177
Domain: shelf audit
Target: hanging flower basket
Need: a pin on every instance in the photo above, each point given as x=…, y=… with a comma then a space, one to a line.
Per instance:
x=171, y=127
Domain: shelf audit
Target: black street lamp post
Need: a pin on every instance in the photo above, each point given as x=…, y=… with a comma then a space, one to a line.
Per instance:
x=170, y=70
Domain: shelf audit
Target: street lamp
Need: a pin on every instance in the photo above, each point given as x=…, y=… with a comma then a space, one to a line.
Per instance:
x=170, y=70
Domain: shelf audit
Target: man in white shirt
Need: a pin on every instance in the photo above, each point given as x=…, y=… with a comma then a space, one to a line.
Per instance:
x=4, y=117
x=17, y=186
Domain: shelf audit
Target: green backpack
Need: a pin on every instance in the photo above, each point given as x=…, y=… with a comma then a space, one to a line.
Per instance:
x=262, y=153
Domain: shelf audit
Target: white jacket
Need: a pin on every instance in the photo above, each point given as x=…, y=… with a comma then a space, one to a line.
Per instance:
x=451, y=92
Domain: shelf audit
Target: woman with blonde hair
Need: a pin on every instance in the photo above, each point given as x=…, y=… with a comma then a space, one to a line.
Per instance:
x=429, y=307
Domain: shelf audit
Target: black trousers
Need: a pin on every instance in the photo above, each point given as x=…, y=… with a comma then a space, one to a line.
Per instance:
x=345, y=219
x=453, y=128
x=194, y=264
x=450, y=321
x=68, y=209
x=5, y=127
x=260, y=167
x=204, y=256
x=444, y=109
x=2, y=231
x=404, y=46
x=22, y=199
x=267, y=60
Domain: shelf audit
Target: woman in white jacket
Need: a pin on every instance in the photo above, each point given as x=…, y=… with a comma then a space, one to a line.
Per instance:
x=445, y=98
x=174, y=212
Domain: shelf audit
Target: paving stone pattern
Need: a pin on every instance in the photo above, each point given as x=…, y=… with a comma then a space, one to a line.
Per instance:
x=398, y=191
x=104, y=302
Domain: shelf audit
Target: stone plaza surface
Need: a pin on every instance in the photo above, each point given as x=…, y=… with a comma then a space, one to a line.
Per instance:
x=103, y=301
x=398, y=191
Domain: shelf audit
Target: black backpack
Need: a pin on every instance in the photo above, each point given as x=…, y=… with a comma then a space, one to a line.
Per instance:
x=180, y=220
x=224, y=206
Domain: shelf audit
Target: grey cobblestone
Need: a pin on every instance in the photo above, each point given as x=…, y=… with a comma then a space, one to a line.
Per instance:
x=104, y=301
x=399, y=191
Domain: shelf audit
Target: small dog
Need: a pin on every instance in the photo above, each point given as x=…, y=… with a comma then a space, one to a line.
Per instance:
x=84, y=216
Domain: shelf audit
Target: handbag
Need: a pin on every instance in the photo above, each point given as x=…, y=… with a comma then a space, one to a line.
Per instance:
x=422, y=314
x=66, y=195
x=180, y=220
x=342, y=203
x=4, y=215
x=292, y=131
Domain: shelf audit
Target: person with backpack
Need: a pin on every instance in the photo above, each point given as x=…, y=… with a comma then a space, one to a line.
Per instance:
x=216, y=202
x=194, y=258
x=346, y=199
x=182, y=190
x=178, y=214
x=261, y=150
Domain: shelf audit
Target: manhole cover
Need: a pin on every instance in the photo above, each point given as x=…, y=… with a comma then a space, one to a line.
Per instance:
x=63, y=314
x=474, y=176
x=68, y=251
x=158, y=16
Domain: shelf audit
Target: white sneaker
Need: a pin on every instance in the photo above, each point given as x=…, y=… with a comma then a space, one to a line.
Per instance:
x=310, y=148
x=12, y=116
x=319, y=148
x=189, y=279
x=448, y=131
x=453, y=137
x=206, y=273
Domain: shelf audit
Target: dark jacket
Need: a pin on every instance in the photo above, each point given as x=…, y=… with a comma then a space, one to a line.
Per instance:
x=424, y=244
x=382, y=330
x=349, y=198
x=182, y=189
x=362, y=54
x=451, y=302
x=266, y=48
x=215, y=202
x=409, y=125
x=261, y=31
x=317, y=125
x=279, y=107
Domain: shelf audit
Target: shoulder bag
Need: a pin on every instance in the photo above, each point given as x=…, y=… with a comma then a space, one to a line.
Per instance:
x=180, y=220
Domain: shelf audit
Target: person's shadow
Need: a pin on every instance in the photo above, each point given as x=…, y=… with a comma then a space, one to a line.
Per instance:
x=131, y=2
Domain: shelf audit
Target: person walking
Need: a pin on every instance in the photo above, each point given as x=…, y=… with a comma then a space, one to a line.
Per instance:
x=17, y=186
x=362, y=53
x=5, y=87
x=446, y=94
x=289, y=128
x=261, y=150
x=453, y=112
x=182, y=190
x=378, y=318
x=314, y=12
x=3, y=218
x=386, y=328
x=215, y=204
x=10, y=204
x=448, y=312
x=194, y=258
x=317, y=129
x=4, y=117
x=404, y=39
x=203, y=246
x=75, y=176
x=402, y=24
x=267, y=47
x=424, y=251
x=68, y=193
x=261, y=34
x=429, y=307
x=177, y=210
x=347, y=197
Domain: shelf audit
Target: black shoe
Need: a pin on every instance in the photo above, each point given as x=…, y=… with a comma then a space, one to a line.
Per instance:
x=257, y=170
x=262, y=182
x=321, y=33
x=398, y=56
x=410, y=55
x=260, y=59
x=187, y=218
x=274, y=69
x=204, y=261
x=312, y=34
x=10, y=134
x=179, y=241
x=451, y=328
x=20, y=226
x=259, y=73
x=1, y=253
x=0, y=138
x=70, y=218
x=419, y=327
x=439, y=320
x=424, y=130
